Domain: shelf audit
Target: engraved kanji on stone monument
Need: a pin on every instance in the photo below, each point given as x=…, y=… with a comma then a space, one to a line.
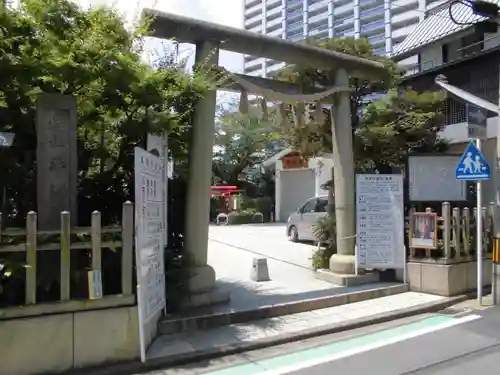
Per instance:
x=56, y=158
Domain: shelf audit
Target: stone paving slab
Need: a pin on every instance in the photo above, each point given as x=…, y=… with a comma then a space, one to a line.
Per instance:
x=192, y=342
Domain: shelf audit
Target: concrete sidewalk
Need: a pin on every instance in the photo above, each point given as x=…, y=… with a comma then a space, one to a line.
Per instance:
x=273, y=331
x=197, y=346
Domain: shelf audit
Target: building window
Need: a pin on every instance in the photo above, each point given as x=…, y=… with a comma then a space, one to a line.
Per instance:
x=444, y=52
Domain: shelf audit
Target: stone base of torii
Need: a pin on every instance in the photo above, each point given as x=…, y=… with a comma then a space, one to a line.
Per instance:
x=209, y=38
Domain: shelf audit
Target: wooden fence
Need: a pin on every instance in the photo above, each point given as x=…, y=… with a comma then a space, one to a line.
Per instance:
x=457, y=235
x=94, y=242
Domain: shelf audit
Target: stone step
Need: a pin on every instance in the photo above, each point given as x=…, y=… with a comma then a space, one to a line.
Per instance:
x=172, y=325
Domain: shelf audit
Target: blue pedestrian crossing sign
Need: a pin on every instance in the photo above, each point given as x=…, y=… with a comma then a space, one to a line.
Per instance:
x=472, y=165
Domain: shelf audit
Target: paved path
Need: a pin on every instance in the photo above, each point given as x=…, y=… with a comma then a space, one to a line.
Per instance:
x=430, y=344
x=231, y=250
x=265, y=328
x=264, y=240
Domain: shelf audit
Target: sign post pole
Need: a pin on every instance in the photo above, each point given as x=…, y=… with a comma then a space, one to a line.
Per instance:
x=474, y=167
x=495, y=257
x=479, y=236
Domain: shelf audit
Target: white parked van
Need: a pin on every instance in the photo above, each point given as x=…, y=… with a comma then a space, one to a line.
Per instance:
x=300, y=224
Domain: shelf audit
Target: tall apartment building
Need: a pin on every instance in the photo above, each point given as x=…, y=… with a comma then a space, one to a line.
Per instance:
x=385, y=23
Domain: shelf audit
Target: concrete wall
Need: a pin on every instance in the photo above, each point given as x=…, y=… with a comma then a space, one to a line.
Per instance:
x=59, y=342
x=295, y=186
x=323, y=169
x=447, y=279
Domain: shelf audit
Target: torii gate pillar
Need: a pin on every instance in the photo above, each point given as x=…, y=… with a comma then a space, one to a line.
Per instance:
x=342, y=144
x=201, y=283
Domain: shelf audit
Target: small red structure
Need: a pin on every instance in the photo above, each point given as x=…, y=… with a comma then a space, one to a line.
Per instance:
x=224, y=192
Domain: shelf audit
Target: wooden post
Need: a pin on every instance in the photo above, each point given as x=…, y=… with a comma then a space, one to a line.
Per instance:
x=96, y=241
x=457, y=231
x=31, y=233
x=428, y=252
x=446, y=229
x=65, y=255
x=466, y=231
x=490, y=227
x=484, y=214
x=127, y=247
x=410, y=229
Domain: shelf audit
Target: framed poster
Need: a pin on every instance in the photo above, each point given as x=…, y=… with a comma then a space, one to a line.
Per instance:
x=424, y=230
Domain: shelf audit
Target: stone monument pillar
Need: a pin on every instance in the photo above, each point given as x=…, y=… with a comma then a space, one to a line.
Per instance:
x=56, y=155
x=344, y=179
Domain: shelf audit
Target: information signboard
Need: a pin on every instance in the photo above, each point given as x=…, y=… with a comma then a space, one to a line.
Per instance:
x=158, y=146
x=380, y=221
x=149, y=205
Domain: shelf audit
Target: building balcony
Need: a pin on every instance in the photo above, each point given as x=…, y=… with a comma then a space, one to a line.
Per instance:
x=318, y=6
x=372, y=27
x=271, y=4
x=319, y=32
x=275, y=13
x=252, y=3
x=274, y=24
x=294, y=4
x=318, y=19
x=253, y=22
x=343, y=11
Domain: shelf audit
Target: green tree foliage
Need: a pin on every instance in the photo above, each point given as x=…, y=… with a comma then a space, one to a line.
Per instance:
x=53, y=46
x=386, y=129
x=362, y=86
x=241, y=142
x=396, y=126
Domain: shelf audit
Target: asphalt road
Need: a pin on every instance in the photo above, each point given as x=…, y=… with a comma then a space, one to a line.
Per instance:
x=424, y=345
x=459, y=350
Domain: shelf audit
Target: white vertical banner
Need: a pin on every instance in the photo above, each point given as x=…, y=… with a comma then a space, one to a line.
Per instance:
x=380, y=221
x=158, y=145
x=149, y=245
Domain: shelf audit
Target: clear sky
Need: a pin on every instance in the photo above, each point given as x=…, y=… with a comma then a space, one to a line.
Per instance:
x=226, y=12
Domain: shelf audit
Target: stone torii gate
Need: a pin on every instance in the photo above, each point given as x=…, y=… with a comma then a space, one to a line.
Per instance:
x=208, y=39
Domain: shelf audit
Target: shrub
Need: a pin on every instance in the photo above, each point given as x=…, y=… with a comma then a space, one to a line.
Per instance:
x=325, y=231
x=260, y=204
x=264, y=205
x=247, y=216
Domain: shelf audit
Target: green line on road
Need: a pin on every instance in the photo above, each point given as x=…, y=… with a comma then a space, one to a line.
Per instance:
x=329, y=349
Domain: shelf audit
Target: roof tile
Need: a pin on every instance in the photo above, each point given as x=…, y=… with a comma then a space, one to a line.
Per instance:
x=437, y=26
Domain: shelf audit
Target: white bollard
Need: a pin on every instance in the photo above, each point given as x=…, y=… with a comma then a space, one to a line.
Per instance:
x=222, y=217
x=260, y=271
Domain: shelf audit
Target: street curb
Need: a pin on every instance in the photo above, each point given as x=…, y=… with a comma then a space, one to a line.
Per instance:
x=175, y=325
x=135, y=367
